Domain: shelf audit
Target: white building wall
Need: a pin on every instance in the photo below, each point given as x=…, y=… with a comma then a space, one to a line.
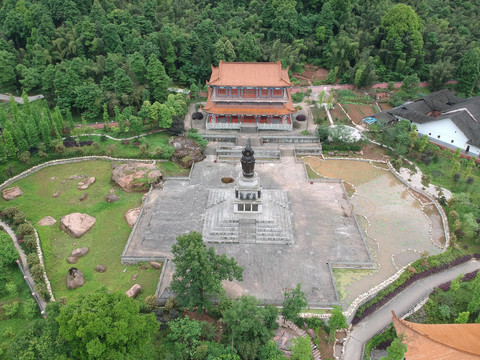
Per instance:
x=446, y=131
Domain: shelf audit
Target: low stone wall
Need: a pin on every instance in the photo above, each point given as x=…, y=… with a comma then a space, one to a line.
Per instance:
x=288, y=139
x=40, y=257
x=65, y=161
x=32, y=289
x=220, y=138
x=313, y=151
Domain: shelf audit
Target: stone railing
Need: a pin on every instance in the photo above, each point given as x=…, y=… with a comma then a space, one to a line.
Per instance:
x=289, y=139
x=236, y=153
x=220, y=138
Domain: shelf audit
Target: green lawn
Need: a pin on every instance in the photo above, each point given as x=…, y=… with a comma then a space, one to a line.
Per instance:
x=105, y=240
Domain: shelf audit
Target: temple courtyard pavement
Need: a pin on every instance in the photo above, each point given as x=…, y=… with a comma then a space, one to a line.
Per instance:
x=368, y=236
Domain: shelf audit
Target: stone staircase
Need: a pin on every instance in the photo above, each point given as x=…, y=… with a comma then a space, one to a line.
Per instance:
x=299, y=332
x=215, y=197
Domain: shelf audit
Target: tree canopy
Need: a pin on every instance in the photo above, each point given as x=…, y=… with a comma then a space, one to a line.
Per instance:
x=199, y=272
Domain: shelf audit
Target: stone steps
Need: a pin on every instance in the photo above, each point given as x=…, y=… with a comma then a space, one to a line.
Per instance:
x=215, y=197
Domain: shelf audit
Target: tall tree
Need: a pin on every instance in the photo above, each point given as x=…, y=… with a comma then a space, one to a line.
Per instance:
x=468, y=72
x=293, y=303
x=200, y=271
x=157, y=79
x=285, y=23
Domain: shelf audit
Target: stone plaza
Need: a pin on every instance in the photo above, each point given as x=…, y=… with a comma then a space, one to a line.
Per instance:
x=313, y=223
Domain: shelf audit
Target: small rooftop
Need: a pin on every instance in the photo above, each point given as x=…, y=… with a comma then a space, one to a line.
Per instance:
x=439, y=341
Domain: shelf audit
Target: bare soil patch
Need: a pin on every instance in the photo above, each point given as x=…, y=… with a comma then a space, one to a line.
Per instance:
x=313, y=73
x=337, y=113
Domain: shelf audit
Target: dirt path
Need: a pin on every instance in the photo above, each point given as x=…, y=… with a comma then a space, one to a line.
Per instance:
x=19, y=100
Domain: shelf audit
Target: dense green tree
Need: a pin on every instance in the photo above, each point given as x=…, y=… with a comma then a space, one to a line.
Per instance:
x=293, y=303
x=336, y=321
x=7, y=69
x=157, y=79
x=249, y=326
x=185, y=333
x=137, y=66
x=248, y=50
x=469, y=72
x=403, y=41
x=199, y=272
x=9, y=143
x=122, y=83
x=285, y=22
x=106, y=326
x=87, y=99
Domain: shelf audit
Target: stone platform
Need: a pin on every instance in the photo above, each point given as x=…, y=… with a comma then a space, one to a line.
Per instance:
x=324, y=229
x=272, y=226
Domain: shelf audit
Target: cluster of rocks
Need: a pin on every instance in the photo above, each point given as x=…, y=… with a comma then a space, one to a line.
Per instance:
x=187, y=151
x=76, y=254
x=12, y=193
x=83, y=185
x=136, y=176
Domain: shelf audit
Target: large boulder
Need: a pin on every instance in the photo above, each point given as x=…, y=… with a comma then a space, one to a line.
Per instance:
x=75, y=278
x=134, y=291
x=47, y=221
x=100, y=268
x=135, y=176
x=83, y=185
x=77, y=224
x=186, y=152
x=131, y=216
x=12, y=193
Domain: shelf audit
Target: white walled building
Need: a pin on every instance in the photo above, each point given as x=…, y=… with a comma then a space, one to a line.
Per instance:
x=444, y=118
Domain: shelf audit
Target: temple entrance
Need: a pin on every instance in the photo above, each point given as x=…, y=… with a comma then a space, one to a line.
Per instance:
x=249, y=119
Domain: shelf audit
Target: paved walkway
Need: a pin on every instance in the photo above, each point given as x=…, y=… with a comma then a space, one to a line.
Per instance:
x=23, y=260
x=401, y=304
x=18, y=99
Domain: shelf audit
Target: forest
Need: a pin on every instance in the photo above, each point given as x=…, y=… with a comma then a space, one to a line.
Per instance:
x=84, y=54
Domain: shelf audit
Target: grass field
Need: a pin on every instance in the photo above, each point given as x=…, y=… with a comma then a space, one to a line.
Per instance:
x=105, y=240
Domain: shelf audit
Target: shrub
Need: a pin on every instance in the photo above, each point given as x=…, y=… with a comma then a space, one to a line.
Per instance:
x=30, y=309
x=11, y=288
x=24, y=157
x=198, y=138
x=151, y=302
x=19, y=218
x=30, y=242
x=298, y=97
x=10, y=212
x=341, y=147
x=59, y=148
x=11, y=309
x=25, y=229
x=41, y=289
x=37, y=272
x=32, y=259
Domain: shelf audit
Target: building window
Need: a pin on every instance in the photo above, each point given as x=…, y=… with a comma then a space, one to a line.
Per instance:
x=254, y=207
x=277, y=92
x=222, y=92
x=240, y=207
x=234, y=92
x=264, y=92
x=276, y=120
x=248, y=207
x=234, y=119
x=249, y=93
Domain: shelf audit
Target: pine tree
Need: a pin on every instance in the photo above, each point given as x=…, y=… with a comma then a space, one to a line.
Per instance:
x=45, y=131
x=9, y=143
x=157, y=79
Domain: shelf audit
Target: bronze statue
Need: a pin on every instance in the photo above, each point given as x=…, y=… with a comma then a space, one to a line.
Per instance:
x=248, y=161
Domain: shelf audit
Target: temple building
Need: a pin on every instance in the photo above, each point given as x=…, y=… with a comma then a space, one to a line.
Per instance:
x=249, y=95
x=439, y=341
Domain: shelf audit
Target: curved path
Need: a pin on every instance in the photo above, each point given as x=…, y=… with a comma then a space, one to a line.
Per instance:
x=401, y=304
x=23, y=260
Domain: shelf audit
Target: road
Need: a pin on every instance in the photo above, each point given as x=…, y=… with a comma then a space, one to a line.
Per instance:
x=401, y=304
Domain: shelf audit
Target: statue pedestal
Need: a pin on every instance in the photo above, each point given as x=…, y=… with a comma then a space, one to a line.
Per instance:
x=248, y=195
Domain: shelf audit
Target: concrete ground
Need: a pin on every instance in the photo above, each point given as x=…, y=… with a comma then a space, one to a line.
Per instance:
x=324, y=230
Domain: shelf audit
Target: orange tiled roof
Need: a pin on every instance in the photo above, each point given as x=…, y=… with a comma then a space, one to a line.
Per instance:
x=439, y=341
x=249, y=74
